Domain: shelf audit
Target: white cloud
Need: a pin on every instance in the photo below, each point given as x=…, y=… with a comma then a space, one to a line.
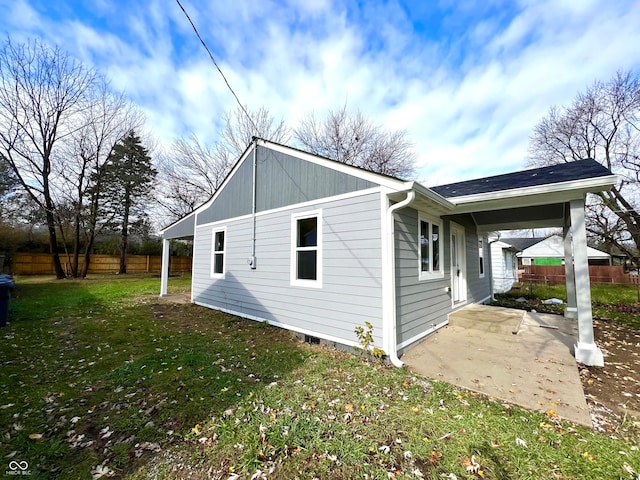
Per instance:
x=468, y=89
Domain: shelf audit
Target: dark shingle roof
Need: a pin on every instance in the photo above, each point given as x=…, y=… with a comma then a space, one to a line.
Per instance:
x=521, y=243
x=564, y=172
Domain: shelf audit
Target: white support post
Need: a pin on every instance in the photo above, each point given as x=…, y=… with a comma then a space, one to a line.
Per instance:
x=586, y=350
x=164, y=269
x=570, y=281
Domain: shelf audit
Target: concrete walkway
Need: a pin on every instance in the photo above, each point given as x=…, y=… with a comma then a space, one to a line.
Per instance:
x=520, y=357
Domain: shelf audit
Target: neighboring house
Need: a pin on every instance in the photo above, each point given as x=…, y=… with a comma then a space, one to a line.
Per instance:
x=550, y=251
x=320, y=247
x=504, y=266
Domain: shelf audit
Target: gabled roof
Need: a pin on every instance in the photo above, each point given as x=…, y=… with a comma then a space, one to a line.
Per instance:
x=521, y=243
x=553, y=247
x=564, y=172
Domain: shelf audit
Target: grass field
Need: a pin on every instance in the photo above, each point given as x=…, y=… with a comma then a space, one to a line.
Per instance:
x=100, y=379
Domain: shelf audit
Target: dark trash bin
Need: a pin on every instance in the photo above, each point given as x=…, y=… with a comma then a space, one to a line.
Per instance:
x=6, y=285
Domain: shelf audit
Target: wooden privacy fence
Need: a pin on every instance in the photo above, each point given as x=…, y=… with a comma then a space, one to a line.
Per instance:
x=554, y=274
x=42, y=264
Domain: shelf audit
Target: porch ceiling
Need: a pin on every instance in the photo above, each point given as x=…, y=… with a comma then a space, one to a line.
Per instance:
x=538, y=216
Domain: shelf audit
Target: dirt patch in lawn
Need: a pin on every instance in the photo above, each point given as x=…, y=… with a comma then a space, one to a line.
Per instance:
x=613, y=391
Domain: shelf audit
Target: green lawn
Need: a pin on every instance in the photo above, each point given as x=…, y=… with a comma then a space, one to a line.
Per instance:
x=99, y=378
x=620, y=303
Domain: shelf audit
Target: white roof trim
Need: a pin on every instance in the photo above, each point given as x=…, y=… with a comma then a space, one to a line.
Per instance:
x=373, y=177
x=584, y=185
x=431, y=195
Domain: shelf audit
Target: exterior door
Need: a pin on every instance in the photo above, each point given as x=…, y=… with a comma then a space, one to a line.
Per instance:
x=458, y=266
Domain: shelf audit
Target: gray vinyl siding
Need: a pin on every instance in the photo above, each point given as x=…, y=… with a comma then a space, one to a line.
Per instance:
x=181, y=229
x=234, y=200
x=423, y=304
x=282, y=180
x=285, y=180
x=420, y=304
x=351, y=293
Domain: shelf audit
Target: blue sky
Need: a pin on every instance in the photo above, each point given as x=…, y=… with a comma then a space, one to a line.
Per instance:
x=468, y=80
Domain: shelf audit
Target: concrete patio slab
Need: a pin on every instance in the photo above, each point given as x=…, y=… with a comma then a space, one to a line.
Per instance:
x=175, y=298
x=523, y=358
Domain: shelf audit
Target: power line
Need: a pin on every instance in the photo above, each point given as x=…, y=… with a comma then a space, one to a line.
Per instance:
x=219, y=69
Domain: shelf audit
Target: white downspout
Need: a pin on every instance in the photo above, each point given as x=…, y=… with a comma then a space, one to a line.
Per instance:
x=252, y=259
x=391, y=255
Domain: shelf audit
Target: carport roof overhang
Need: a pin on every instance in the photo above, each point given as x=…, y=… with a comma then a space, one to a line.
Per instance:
x=527, y=207
x=183, y=228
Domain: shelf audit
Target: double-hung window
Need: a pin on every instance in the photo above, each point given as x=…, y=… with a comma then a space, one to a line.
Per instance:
x=218, y=256
x=430, y=248
x=306, y=249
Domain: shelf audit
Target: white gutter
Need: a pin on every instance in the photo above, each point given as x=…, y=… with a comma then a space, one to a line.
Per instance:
x=391, y=324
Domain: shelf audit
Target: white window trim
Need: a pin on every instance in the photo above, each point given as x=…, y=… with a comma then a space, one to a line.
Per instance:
x=481, y=255
x=296, y=282
x=440, y=272
x=213, y=252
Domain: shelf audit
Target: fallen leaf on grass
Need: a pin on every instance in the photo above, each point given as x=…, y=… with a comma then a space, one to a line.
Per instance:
x=588, y=456
x=471, y=465
x=101, y=471
x=435, y=457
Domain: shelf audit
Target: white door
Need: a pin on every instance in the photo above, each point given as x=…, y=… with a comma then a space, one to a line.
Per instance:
x=458, y=265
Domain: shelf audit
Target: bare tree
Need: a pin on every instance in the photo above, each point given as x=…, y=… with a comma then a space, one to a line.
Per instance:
x=355, y=140
x=41, y=92
x=191, y=170
x=603, y=123
x=190, y=173
x=106, y=120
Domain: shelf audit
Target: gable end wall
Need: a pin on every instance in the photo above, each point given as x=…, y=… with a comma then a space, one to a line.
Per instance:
x=282, y=180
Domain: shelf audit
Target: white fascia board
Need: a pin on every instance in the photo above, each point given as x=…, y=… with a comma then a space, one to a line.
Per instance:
x=566, y=190
x=432, y=196
x=382, y=180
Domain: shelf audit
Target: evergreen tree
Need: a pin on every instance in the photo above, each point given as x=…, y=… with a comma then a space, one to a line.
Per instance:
x=129, y=179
